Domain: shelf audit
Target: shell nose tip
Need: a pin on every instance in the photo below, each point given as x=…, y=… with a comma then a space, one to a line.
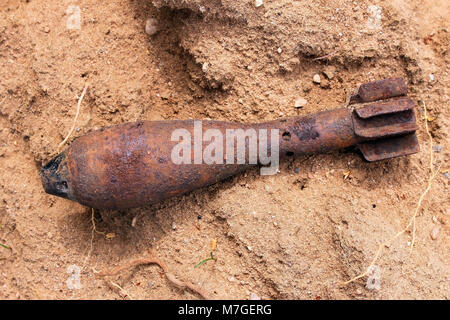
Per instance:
x=53, y=177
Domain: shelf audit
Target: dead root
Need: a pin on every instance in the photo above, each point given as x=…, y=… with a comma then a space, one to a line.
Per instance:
x=151, y=259
x=122, y=291
x=77, y=113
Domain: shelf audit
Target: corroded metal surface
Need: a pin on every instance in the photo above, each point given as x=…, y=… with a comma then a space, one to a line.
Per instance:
x=130, y=165
x=389, y=148
x=384, y=120
x=380, y=90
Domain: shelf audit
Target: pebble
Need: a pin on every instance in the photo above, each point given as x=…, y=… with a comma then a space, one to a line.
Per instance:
x=254, y=296
x=279, y=50
x=329, y=72
x=300, y=102
x=205, y=66
x=258, y=3
x=46, y=29
x=151, y=26
x=435, y=233
x=437, y=148
x=267, y=188
x=174, y=226
x=325, y=84
x=316, y=78
x=431, y=77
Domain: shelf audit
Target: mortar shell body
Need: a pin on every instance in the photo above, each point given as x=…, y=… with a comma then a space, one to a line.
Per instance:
x=130, y=165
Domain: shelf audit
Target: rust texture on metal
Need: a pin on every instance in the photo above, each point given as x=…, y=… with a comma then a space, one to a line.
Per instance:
x=380, y=90
x=130, y=165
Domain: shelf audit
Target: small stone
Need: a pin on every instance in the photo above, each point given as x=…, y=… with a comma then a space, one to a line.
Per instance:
x=174, y=226
x=46, y=29
x=434, y=233
x=316, y=79
x=254, y=296
x=300, y=102
x=231, y=279
x=267, y=188
x=151, y=26
x=240, y=101
x=297, y=170
x=258, y=3
x=110, y=236
x=329, y=72
x=325, y=84
x=279, y=50
x=431, y=77
x=437, y=148
x=205, y=66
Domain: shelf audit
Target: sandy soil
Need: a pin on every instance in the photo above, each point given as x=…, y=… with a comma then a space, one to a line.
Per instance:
x=295, y=235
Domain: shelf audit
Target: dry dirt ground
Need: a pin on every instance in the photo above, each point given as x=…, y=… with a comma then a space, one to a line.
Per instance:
x=295, y=235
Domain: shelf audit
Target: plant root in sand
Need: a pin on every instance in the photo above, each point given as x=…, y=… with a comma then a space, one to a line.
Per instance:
x=151, y=259
x=77, y=113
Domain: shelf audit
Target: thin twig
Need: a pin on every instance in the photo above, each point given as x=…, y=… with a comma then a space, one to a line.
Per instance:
x=325, y=56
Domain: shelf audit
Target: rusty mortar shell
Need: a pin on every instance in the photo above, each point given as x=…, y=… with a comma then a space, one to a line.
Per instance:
x=131, y=164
